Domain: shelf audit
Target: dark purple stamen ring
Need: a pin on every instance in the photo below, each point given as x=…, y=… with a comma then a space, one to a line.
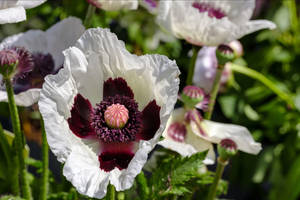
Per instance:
x=125, y=134
x=177, y=131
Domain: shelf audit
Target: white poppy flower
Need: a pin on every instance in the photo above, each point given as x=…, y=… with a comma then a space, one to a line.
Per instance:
x=45, y=49
x=150, y=5
x=12, y=11
x=111, y=5
x=209, y=22
x=106, y=110
x=187, y=133
x=206, y=68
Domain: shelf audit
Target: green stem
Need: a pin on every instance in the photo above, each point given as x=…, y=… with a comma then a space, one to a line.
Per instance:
x=143, y=188
x=111, y=192
x=214, y=92
x=191, y=69
x=268, y=83
x=45, y=160
x=219, y=172
x=11, y=163
x=26, y=193
x=89, y=16
x=120, y=196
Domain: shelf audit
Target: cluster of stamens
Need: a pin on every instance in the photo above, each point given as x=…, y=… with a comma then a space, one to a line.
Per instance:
x=117, y=119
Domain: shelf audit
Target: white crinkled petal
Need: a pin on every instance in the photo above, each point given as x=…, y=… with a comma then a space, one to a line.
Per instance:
x=250, y=27
x=240, y=135
x=99, y=55
x=82, y=169
x=12, y=15
x=186, y=22
x=63, y=35
x=56, y=100
x=26, y=98
x=118, y=5
x=33, y=40
x=30, y=3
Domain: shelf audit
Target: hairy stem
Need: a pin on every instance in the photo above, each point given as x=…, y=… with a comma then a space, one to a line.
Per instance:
x=214, y=92
x=45, y=160
x=191, y=69
x=219, y=172
x=143, y=188
x=89, y=15
x=111, y=192
x=264, y=80
x=25, y=188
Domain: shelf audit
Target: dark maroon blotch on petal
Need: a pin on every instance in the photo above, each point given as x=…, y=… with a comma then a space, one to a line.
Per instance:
x=117, y=86
x=150, y=121
x=110, y=160
x=80, y=120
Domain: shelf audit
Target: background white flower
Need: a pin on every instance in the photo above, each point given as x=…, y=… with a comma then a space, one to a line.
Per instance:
x=12, y=11
x=51, y=42
x=209, y=22
x=98, y=59
x=199, y=135
x=111, y=5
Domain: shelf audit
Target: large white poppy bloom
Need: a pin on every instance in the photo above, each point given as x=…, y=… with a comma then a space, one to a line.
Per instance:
x=46, y=48
x=209, y=22
x=12, y=11
x=111, y=5
x=195, y=135
x=106, y=110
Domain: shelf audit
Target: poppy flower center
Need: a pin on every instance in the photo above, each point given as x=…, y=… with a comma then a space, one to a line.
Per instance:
x=117, y=119
x=116, y=116
x=212, y=12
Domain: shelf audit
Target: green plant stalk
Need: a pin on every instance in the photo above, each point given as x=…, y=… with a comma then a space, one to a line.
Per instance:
x=45, y=161
x=89, y=16
x=191, y=69
x=218, y=176
x=264, y=80
x=111, y=192
x=143, y=188
x=120, y=196
x=214, y=92
x=11, y=168
x=25, y=188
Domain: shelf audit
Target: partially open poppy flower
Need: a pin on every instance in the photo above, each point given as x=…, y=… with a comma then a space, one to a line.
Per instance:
x=188, y=133
x=209, y=22
x=106, y=110
x=40, y=54
x=13, y=11
x=111, y=5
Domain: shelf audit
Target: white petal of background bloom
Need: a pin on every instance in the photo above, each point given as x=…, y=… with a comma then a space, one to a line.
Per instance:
x=12, y=11
x=111, y=5
x=192, y=143
x=53, y=41
x=206, y=67
x=98, y=56
x=210, y=22
x=215, y=132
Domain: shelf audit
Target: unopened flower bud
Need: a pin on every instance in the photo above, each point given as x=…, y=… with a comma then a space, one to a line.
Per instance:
x=226, y=149
x=237, y=48
x=192, y=96
x=8, y=62
x=224, y=54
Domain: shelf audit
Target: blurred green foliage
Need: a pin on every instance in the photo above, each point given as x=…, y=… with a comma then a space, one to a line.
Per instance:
x=274, y=173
